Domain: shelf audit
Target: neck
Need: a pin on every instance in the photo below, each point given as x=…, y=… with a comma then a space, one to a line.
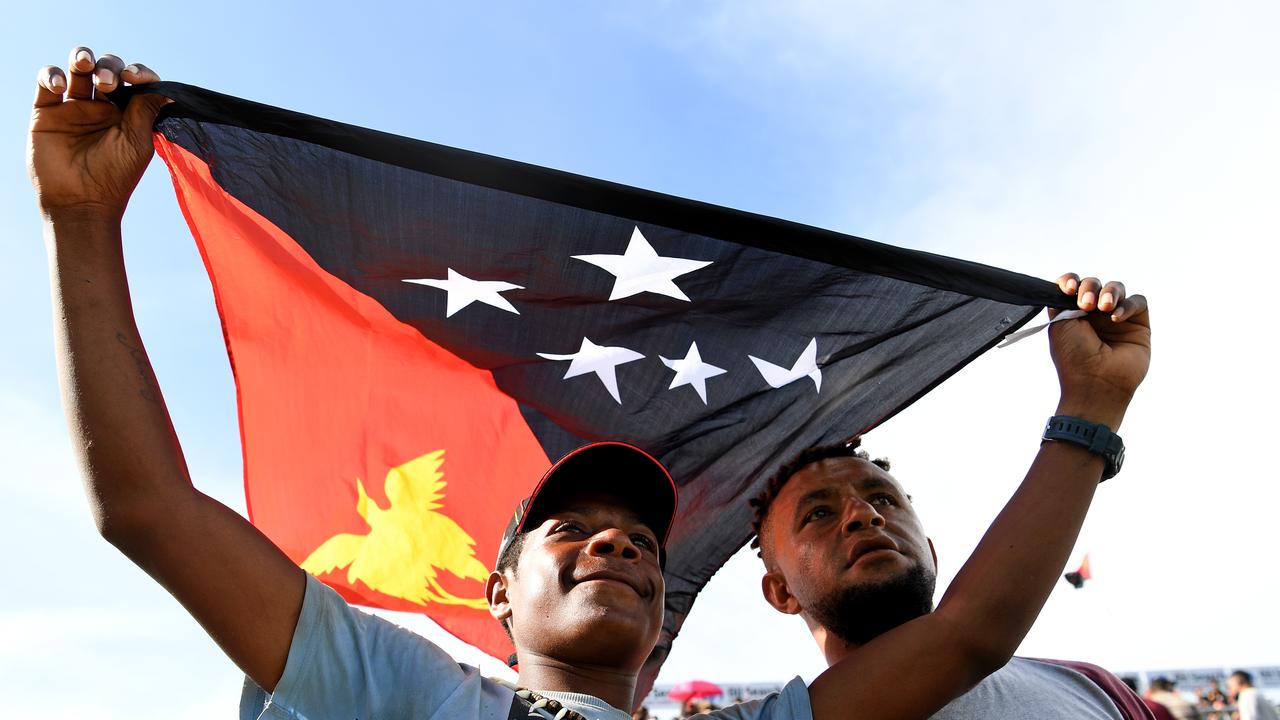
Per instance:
x=614, y=685
x=834, y=648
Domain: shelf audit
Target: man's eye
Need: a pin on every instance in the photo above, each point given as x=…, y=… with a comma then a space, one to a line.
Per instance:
x=883, y=500
x=644, y=541
x=570, y=527
x=817, y=513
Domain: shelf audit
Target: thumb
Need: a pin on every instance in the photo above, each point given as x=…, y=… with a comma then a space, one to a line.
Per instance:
x=140, y=116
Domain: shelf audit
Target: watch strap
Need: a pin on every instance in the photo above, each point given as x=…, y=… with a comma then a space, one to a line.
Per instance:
x=1095, y=437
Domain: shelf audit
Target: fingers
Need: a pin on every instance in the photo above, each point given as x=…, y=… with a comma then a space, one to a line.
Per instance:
x=1111, y=297
x=91, y=78
x=140, y=115
x=1130, y=309
x=139, y=74
x=81, y=64
x=1068, y=283
x=51, y=82
x=1091, y=294
x=106, y=75
x=1087, y=295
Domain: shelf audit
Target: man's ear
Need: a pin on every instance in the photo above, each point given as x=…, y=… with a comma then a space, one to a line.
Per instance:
x=933, y=552
x=776, y=592
x=495, y=590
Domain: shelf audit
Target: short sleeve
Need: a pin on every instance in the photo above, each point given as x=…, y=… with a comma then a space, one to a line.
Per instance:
x=346, y=664
x=790, y=704
x=1247, y=706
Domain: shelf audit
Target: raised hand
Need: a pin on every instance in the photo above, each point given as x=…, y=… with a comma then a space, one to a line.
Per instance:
x=1101, y=358
x=84, y=154
x=85, y=158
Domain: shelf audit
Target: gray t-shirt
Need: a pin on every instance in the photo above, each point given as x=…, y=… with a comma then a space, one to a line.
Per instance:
x=345, y=664
x=1026, y=689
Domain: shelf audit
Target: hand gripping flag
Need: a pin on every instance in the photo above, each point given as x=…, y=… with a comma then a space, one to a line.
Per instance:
x=416, y=331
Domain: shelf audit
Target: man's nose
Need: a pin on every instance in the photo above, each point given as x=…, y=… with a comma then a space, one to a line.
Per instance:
x=861, y=515
x=613, y=541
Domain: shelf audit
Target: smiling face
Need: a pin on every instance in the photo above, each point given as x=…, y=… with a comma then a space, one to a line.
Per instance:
x=843, y=547
x=587, y=588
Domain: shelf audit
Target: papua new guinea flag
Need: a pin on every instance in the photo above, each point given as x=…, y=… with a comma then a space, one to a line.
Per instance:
x=416, y=331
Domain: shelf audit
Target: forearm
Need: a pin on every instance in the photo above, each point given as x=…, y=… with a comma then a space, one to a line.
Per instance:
x=988, y=608
x=241, y=588
x=85, y=157
x=999, y=592
x=1030, y=541
x=120, y=429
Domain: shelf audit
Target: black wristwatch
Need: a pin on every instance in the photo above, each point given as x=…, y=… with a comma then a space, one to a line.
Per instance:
x=1097, y=437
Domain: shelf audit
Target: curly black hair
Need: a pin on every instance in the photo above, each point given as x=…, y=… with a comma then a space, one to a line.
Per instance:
x=760, y=503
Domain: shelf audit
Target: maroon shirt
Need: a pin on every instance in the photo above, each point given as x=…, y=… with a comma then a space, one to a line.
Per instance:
x=1127, y=701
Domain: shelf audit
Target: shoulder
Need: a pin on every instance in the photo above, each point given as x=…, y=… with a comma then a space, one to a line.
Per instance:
x=1042, y=671
x=1099, y=676
x=792, y=703
x=349, y=663
x=329, y=625
x=1126, y=701
x=1028, y=688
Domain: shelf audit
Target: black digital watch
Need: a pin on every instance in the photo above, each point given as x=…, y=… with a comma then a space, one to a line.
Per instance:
x=1096, y=437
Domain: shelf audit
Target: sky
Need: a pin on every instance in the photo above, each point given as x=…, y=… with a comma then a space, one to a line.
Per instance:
x=1132, y=140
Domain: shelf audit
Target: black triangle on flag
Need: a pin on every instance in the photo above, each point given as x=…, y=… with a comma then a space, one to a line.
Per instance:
x=386, y=299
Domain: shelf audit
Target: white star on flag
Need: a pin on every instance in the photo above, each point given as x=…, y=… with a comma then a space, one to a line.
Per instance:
x=642, y=269
x=599, y=359
x=692, y=371
x=462, y=291
x=805, y=366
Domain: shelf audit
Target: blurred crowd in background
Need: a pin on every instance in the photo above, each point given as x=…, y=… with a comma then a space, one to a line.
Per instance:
x=1237, y=695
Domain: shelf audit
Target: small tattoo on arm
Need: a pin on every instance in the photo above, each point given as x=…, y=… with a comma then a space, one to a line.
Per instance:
x=147, y=391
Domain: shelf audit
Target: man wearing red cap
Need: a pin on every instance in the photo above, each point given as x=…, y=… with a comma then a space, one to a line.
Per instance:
x=579, y=583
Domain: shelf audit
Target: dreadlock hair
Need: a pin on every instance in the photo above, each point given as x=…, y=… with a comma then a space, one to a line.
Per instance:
x=760, y=503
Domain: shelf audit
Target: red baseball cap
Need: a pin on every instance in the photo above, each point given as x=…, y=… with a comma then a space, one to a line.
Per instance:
x=611, y=467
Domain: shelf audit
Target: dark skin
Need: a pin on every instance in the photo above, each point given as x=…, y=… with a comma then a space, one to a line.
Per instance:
x=844, y=522
x=836, y=523
x=85, y=157
x=585, y=599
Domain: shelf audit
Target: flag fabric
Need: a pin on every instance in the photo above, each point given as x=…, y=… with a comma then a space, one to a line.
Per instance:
x=417, y=331
x=1077, y=577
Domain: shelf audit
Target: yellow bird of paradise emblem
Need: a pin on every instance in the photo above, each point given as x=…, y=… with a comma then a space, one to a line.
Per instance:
x=407, y=541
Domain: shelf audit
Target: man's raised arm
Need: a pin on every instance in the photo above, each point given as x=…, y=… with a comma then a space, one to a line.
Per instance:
x=85, y=157
x=918, y=667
